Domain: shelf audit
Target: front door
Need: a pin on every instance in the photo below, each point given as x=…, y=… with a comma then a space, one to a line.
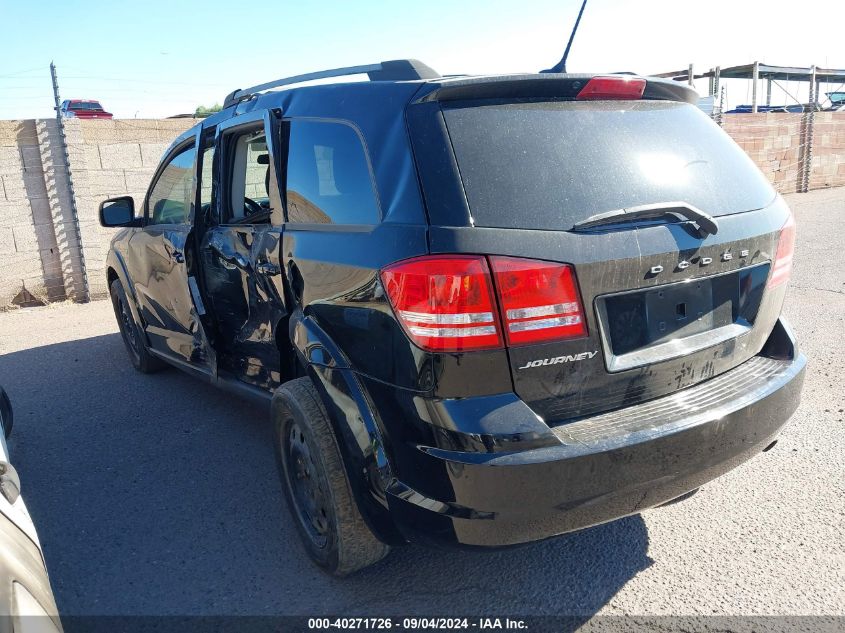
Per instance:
x=239, y=249
x=160, y=261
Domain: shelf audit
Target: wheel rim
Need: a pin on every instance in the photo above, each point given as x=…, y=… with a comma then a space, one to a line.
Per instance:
x=307, y=485
x=127, y=327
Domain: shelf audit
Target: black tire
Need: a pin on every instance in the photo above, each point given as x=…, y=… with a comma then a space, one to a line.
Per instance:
x=316, y=486
x=132, y=336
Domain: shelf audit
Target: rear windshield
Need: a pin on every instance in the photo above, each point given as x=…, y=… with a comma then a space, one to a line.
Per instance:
x=550, y=165
x=85, y=105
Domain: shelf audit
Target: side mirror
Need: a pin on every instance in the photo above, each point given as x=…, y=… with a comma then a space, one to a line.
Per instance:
x=5, y=413
x=116, y=212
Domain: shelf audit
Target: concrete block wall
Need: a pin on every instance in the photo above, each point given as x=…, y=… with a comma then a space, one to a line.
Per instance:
x=776, y=142
x=40, y=255
x=30, y=271
x=828, y=150
x=107, y=159
x=773, y=141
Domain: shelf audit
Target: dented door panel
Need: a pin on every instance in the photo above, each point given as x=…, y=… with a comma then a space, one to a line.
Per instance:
x=240, y=265
x=242, y=278
x=159, y=268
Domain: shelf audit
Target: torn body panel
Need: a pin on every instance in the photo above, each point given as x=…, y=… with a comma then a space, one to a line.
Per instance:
x=243, y=282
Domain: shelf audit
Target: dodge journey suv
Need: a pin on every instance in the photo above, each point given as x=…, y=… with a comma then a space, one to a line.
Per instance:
x=482, y=311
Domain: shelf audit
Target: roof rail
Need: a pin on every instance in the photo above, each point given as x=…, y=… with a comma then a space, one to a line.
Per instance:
x=393, y=70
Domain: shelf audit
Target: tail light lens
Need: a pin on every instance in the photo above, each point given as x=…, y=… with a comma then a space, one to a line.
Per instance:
x=539, y=300
x=445, y=304
x=604, y=88
x=782, y=266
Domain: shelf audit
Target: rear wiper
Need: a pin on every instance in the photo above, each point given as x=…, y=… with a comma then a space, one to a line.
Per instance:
x=707, y=224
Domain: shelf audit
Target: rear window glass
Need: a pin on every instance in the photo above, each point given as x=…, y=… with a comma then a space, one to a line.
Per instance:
x=85, y=105
x=550, y=165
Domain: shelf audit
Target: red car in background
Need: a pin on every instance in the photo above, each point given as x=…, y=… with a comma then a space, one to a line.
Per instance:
x=83, y=109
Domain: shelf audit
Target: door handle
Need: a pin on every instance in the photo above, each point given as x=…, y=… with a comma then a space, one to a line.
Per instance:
x=267, y=268
x=178, y=257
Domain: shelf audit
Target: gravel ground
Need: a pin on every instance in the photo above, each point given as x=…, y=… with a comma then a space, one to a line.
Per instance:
x=159, y=494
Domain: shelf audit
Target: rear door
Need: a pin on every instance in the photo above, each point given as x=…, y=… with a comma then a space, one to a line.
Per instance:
x=160, y=260
x=664, y=305
x=239, y=248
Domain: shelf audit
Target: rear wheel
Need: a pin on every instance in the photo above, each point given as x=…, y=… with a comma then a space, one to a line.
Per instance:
x=133, y=339
x=319, y=496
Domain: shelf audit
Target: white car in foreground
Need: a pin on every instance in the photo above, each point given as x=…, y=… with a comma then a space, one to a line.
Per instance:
x=26, y=599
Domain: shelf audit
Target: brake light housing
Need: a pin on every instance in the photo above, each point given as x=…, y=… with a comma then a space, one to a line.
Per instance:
x=618, y=87
x=539, y=300
x=445, y=303
x=459, y=303
x=782, y=265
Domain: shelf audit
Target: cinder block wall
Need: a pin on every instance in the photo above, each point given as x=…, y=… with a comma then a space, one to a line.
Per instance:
x=113, y=158
x=776, y=142
x=29, y=256
x=773, y=141
x=828, y=150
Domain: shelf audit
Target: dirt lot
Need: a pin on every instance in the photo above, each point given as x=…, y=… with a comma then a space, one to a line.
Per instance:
x=159, y=494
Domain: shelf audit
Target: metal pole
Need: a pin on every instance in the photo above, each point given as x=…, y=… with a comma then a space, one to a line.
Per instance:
x=691, y=76
x=769, y=91
x=73, y=210
x=809, y=124
x=755, y=78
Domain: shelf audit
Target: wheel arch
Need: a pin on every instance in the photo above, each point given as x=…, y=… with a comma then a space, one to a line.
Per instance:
x=353, y=420
x=116, y=269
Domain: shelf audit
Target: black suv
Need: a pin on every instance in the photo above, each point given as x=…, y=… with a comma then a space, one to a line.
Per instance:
x=482, y=310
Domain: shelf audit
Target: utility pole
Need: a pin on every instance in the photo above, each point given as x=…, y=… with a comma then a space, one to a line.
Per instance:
x=86, y=296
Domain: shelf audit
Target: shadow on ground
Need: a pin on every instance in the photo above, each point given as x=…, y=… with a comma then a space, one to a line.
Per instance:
x=159, y=495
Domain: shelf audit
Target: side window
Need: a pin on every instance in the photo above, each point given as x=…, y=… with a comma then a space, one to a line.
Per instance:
x=207, y=177
x=248, y=199
x=169, y=201
x=328, y=177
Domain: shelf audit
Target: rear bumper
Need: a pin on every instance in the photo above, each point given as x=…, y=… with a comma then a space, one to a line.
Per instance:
x=607, y=466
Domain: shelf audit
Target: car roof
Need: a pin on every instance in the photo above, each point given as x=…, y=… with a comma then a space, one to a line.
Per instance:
x=376, y=106
x=349, y=98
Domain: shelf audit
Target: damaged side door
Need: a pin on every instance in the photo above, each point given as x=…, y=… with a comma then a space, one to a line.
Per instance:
x=160, y=263
x=239, y=249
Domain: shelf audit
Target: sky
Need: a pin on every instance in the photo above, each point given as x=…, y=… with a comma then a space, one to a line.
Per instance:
x=157, y=58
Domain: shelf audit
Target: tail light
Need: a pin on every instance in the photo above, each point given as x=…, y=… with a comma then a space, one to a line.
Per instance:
x=539, y=300
x=782, y=266
x=447, y=303
x=620, y=87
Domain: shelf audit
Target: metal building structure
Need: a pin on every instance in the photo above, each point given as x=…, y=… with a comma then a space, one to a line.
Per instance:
x=756, y=71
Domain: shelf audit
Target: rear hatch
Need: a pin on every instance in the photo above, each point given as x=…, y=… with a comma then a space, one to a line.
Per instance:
x=622, y=190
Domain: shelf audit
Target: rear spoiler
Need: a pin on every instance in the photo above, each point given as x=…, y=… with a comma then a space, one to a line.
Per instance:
x=540, y=86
